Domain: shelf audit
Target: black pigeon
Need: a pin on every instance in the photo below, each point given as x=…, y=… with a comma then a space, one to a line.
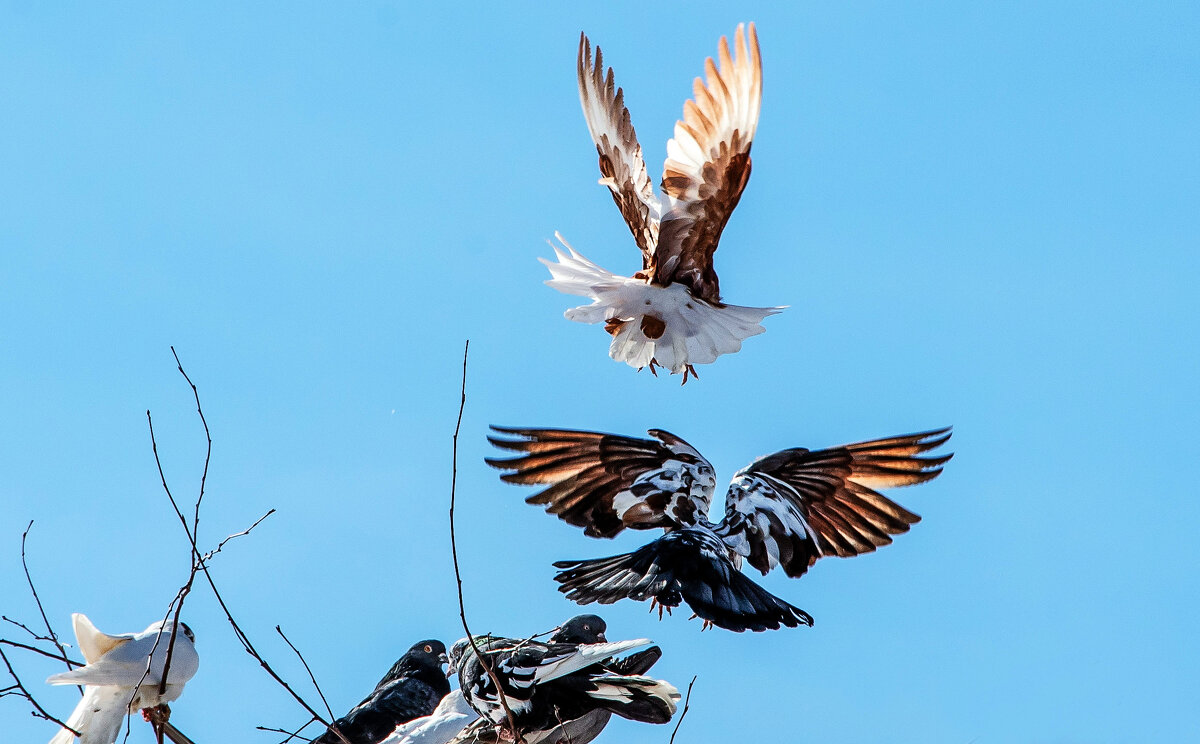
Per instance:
x=412, y=688
x=787, y=509
x=547, y=684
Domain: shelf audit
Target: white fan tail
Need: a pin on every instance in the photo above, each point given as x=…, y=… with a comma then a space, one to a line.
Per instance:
x=98, y=716
x=664, y=324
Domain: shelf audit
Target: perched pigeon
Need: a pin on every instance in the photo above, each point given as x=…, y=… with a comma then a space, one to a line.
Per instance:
x=670, y=313
x=117, y=681
x=412, y=688
x=787, y=509
x=548, y=684
x=455, y=721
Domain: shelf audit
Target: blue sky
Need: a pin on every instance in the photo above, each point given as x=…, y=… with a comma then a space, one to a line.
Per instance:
x=984, y=217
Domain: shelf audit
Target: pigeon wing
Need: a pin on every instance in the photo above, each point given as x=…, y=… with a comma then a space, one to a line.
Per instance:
x=708, y=165
x=793, y=507
x=605, y=482
x=622, y=168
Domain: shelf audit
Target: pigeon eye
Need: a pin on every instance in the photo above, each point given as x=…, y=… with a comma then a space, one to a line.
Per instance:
x=587, y=627
x=428, y=649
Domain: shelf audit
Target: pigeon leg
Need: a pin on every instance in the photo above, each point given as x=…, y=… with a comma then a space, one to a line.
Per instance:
x=652, y=370
x=156, y=717
x=654, y=603
x=689, y=369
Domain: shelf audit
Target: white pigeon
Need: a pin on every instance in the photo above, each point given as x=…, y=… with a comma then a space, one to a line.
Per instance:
x=116, y=678
x=670, y=313
x=440, y=727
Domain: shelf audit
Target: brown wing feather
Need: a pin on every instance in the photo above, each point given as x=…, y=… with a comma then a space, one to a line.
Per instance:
x=796, y=506
x=621, y=163
x=586, y=472
x=708, y=165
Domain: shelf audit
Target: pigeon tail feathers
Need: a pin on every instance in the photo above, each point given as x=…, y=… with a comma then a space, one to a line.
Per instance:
x=637, y=698
x=666, y=325
x=97, y=717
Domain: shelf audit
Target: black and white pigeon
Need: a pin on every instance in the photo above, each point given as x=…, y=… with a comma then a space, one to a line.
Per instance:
x=412, y=688
x=671, y=312
x=787, y=509
x=548, y=684
x=581, y=629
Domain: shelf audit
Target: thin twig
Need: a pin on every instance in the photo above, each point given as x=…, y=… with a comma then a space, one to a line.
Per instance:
x=200, y=561
x=32, y=633
x=36, y=598
x=462, y=613
x=687, y=699
x=208, y=556
x=207, y=454
x=290, y=734
x=41, y=712
x=37, y=650
x=311, y=676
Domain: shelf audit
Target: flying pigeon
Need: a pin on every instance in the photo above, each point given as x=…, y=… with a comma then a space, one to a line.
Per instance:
x=547, y=684
x=123, y=674
x=787, y=509
x=412, y=688
x=670, y=313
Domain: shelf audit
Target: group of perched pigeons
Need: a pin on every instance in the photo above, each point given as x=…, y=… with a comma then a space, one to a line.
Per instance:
x=785, y=510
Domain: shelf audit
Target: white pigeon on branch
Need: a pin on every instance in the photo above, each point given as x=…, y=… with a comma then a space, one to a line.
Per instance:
x=123, y=674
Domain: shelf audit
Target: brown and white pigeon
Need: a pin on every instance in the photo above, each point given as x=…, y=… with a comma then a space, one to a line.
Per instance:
x=670, y=313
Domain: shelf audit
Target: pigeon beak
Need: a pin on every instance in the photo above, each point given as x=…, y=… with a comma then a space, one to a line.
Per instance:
x=601, y=638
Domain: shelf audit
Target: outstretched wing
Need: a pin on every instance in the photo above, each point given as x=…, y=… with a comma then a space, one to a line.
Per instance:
x=708, y=165
x=605, y=482
x=793, y=507
x=621, y=163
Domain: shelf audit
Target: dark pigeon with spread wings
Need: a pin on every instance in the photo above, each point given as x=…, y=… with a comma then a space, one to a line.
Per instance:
x=670, y=313
x=787, y=510
x=411, y=689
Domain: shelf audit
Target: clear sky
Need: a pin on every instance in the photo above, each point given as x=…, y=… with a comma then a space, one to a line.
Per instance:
x=985, y=217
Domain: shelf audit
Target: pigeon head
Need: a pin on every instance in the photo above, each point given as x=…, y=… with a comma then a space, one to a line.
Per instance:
x=581, y=629
x=429, y=653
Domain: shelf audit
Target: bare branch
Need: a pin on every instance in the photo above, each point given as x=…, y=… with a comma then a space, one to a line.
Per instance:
x=208, y=556
x=40, y=712
x=462, y=613
x=308, y=669
x=207, y=454
x=290, y=734
x=200, y=562
x=37, y=650
x=686, y=700
x=53, y=637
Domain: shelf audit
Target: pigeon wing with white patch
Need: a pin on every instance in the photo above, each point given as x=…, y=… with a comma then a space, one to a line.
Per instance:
x=793, y=507
x=605, y=482
x=622, y=168
x=708, y=166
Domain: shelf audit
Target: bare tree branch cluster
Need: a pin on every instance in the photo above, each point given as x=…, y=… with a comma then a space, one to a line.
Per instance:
x=199, y=566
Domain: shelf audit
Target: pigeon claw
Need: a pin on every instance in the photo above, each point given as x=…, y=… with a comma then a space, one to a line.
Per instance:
x=688, y=369
x=156, y=717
